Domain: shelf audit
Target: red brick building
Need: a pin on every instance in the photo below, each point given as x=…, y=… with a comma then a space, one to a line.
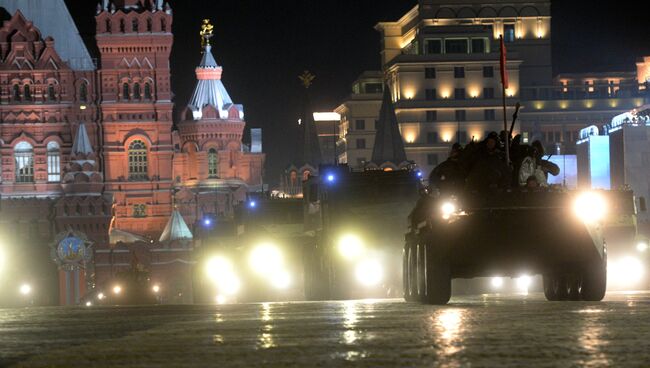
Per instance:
x=89, y=149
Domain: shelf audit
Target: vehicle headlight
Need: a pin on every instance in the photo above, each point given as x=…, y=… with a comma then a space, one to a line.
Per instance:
x=642, y=246
x=229, y=284
x=217, y=267
x=265, y=259
x=369, y=272
x=281, y=280
x=627, y=271
x=350, y=246
x=448, y=209
x=590, y=207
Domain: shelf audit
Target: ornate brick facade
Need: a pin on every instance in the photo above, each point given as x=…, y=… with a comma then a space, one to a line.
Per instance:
x=92, y=148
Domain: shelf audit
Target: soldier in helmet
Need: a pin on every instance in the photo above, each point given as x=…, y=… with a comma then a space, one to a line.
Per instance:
x=449, y=176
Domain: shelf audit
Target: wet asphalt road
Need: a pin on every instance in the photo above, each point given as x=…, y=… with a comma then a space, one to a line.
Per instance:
x=480, y=331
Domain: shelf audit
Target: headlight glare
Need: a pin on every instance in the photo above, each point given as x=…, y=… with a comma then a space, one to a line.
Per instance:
x=590, y=207
x=350, y=246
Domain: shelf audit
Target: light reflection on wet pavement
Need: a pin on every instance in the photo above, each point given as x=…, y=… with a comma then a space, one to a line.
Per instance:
x=480, y=331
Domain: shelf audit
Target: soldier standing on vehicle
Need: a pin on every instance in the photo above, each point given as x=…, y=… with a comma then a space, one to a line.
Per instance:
x=449, y=176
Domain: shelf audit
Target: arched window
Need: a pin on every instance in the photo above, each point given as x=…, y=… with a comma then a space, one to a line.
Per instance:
x=125, y=91
x=163, y=25
x=51, y=93
x=24, y=157
x=53, y=162
x=27, y=92
x=122, y=26
x=136, y=91
x=147, y=91
x=16, y=93
x=108, y=26
x=305, y=175
x=137, y=160
x=213, y=163
x=149, y=25
x=135, y=25
x=83, y=92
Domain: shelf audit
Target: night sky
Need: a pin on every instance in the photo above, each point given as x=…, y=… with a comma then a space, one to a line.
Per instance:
x=264, y=45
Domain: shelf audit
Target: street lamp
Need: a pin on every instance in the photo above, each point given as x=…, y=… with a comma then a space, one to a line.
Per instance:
x=117, y=289
x=156, y=289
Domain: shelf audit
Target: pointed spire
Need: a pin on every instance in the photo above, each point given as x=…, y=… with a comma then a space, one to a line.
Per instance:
x=209, y=90
x=389, y=146
x=311, y=153
x=176, y=229
x=81, y=143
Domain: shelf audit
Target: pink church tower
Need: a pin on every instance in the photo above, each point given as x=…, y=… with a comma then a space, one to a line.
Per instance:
x=213, y=170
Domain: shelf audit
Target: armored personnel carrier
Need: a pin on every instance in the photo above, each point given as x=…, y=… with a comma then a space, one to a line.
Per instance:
x=557, y=234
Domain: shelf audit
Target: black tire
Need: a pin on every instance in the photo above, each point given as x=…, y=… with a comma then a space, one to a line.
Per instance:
x=574, y=285
x=438, y=277
x=560, y=284
x=594, y=281
x=410, y=293
x=316, y=277
x=550, y=289
x=421, y=281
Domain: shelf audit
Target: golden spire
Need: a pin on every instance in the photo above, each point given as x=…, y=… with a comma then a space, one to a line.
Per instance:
x=206, y=32
x=307, y=78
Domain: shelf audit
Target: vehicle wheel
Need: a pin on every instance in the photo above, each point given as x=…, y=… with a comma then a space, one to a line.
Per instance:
x=560, y=284
x=406, y=274
x=550, y=288
x=316, y=277
x=438, y=277
x=573, y=287
x=594, y=282
x=421, y=270
x=412, y=274
x=405, y=283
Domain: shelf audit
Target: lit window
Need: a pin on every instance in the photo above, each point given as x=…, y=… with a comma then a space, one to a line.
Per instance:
x=24, y=157
x=213, y=163
x=137, y=160
x=53, y=162
x=508, y=33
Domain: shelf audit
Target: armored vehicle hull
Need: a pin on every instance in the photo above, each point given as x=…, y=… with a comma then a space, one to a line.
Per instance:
x=505, y=234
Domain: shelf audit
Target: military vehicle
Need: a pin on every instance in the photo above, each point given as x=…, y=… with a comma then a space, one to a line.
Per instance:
x=555, y=233
x=356, y=221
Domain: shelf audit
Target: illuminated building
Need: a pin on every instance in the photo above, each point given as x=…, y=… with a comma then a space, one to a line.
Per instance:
x=441, y=60
x=88, y=150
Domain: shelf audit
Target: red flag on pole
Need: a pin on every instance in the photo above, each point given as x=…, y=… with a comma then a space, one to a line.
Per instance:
x=504, y=70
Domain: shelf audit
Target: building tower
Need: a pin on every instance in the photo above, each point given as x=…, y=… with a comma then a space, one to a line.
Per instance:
x=388, y=151
x=134, y=39
x=213, y=170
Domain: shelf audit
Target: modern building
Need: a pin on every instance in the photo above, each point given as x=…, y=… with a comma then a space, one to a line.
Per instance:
x=441, y=62
x=93, y=174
